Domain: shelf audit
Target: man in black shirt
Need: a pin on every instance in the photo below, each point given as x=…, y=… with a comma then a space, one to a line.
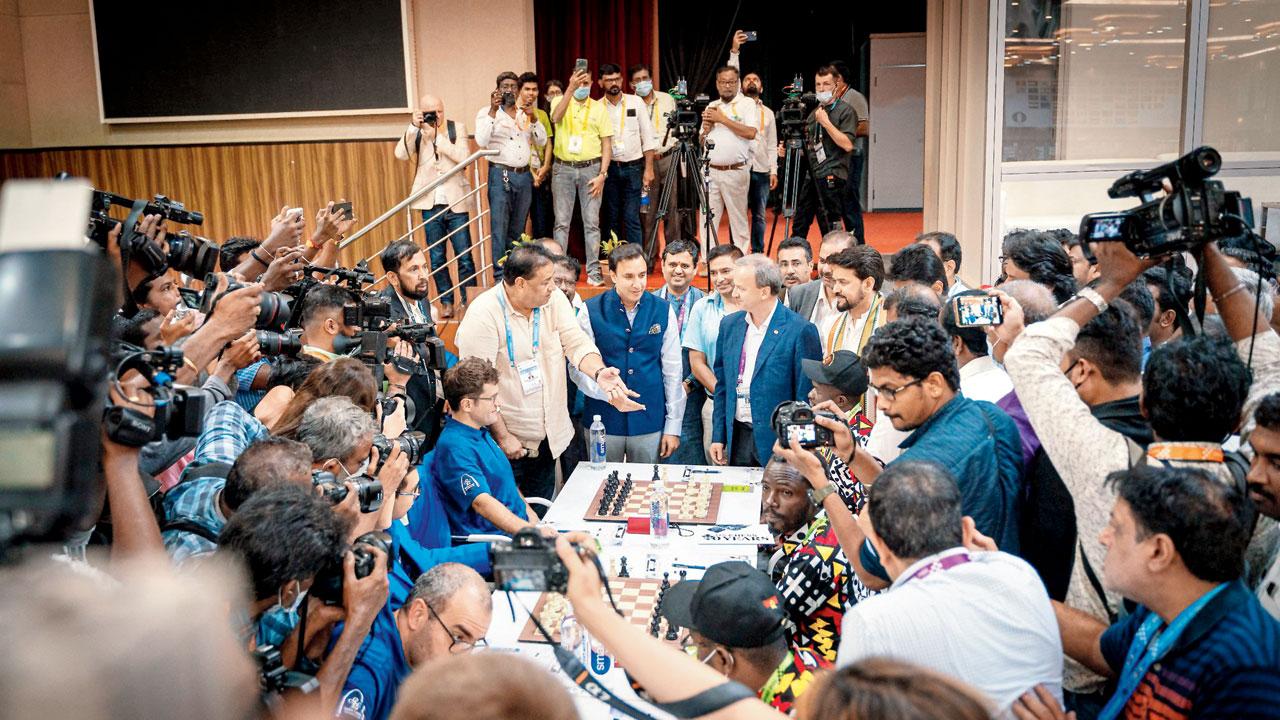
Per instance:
x=829, y=137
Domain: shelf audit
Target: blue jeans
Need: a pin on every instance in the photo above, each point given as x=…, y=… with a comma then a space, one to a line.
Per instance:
x=621, y=213
x=447, y=222
x=510, y=194
x=757, y=198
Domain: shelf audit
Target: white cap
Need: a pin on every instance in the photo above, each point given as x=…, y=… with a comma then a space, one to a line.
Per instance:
x=597, y=418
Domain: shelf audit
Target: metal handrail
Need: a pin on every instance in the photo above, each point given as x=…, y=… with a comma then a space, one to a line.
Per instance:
x=447, y=208
x=413, y=196
x=456, y=287
x=448, y=235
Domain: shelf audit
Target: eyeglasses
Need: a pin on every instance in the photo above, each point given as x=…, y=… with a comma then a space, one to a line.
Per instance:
x=486, y=398
x=891, y=393
x=462, y=644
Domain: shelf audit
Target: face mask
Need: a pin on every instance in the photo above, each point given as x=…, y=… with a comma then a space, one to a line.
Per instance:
x=297, y=600
x=644, y=87
x=824, y=97
x=581, y=93
x=364, y=467
x=991, y=353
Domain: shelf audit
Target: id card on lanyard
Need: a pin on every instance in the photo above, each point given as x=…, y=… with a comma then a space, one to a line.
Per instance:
x=744, y=391
x=529, y=371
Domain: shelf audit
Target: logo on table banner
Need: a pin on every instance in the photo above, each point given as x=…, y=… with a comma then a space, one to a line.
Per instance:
x=469, y=483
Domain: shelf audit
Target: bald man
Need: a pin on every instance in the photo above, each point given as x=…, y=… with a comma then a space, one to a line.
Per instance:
x=435, y=145
x=448, y=612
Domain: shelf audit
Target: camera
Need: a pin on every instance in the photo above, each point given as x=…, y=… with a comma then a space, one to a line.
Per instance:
x=288, y=342
x=430, y=118
x=977, y=311
x=273, y=308
x=528, y=563
x=327, y=586
x=190, y=254
x=274, y=678
x=410, y=444
x=793, y=116
x=1196, y=211
x=424, y=339
x=686, y=120
x=794, y=420
x=368, y=489
x=178, y=412
x=371, y=312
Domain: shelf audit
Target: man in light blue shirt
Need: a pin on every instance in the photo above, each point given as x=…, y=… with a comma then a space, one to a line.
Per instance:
x=703, y=327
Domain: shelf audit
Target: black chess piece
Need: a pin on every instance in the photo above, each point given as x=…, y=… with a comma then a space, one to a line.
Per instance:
x=666, y=583
x=683, y=573
x=673, y=632
x=623, y=570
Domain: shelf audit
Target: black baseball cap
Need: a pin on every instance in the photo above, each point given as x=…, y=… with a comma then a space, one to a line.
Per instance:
x=733, y=604
x=842, y=369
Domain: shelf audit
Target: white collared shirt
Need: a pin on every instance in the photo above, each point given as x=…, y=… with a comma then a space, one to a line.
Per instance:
x=982, y=379
x=633, y=134
x=822, y=309
x=986, y=622
x=511, y=136
x=751, y=349
x=764, y=158
x=956, y=288
x=663, y=104
x=730, y=149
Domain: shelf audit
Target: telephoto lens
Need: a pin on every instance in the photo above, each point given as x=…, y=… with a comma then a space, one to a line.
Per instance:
x=275, y=344
x=192, y=255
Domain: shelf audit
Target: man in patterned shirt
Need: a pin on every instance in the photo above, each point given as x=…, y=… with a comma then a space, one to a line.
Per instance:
x=809, y=568
x=737, y=626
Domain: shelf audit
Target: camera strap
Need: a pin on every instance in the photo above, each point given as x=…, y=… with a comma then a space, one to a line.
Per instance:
x=127, y=234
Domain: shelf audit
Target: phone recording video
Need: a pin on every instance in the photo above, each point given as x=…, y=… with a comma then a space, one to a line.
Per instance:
x=977, y=310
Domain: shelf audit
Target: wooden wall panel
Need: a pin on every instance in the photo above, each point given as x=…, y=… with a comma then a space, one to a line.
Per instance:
x=239, y=188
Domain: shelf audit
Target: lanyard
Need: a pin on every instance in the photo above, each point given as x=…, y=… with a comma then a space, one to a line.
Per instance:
x=684, y=300
x=506, y=321
x=1149, y=645
x=586, y=115
x=654, y=115
x=622, y=110
x=939, y=565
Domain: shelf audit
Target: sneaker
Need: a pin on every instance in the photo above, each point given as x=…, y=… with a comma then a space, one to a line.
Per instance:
x=595, y=281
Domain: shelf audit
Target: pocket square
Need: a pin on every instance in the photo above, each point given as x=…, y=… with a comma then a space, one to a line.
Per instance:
x=655, y=329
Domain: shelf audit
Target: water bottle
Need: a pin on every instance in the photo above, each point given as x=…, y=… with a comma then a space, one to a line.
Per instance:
x=644, y=199
x=597, y=444
x=658, y=518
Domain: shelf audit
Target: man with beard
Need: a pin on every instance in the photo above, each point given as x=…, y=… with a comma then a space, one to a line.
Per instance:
x=764, y=158
x=856, y=276
x=816, y=300
x=731, y=123
x=634, y=143
x=808, y=566
x=407, y=275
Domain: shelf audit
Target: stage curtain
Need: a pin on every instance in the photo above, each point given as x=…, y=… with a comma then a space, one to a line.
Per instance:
x=602, y=31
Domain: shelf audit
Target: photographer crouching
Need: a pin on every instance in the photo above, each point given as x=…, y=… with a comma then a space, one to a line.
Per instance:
x=829, y=132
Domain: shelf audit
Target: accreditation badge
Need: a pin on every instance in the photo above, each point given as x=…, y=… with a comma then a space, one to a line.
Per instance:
x=530, y=376
x=575, y=144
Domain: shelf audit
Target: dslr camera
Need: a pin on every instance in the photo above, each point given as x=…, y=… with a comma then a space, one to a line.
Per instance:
x=273, y=309
x=1196, y=211
x=368, y=489
x=410, y=444
x=328, y=583
x=795, y=420
x=275, y=679
x=178, y=411
x=274, y=344
x=529, y=562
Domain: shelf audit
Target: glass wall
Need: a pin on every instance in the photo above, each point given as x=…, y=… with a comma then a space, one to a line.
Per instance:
x=1242, y=77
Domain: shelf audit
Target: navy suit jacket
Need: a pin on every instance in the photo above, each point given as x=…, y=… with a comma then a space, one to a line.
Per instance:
x=777, y=377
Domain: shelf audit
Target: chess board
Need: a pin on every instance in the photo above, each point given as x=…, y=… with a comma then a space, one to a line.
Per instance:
x=637, y=598
x=636, y=503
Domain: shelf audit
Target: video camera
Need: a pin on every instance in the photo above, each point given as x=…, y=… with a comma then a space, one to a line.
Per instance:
x=685, y=121
x=189, y=254
x=178, y=412
x=368, y=489
x=328, y=583
x=1196, y=210
x=795, y=420
x=797, y=105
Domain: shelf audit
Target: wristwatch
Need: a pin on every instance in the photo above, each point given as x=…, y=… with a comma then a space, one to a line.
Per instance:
x=817, y=496
x=1094, y=297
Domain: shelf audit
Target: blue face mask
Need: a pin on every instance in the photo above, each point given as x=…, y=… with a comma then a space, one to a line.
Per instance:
x=644, y=87
x=581, y=93
x=824, y=97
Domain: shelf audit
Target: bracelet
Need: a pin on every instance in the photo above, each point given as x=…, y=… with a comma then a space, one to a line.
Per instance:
x=311, y=244
x=596, y=378
x=1094, y=297
x=817, y=496
x=1238, y=288
x=254, y=254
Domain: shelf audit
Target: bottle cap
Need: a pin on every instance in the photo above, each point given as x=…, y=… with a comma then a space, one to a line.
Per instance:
x=597, y=417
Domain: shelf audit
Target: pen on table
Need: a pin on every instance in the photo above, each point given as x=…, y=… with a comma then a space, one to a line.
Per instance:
x=706, y=472
x=689, y=567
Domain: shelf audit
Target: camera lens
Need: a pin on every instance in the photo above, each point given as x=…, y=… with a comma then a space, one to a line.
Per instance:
x=273, y=311
x=276, y=343
x=192, y=255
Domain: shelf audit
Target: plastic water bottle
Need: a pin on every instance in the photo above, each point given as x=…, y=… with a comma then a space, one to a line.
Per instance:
x=644, y=198
x=658, y=518
x=597, y=444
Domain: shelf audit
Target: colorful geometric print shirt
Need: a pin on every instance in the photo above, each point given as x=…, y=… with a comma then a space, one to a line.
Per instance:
x=816, y=583
x=790, y=680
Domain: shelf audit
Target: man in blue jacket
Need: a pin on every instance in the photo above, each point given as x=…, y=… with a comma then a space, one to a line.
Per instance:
x=758, y=364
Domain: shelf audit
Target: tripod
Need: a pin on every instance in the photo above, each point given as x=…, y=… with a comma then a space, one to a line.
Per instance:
x=685, y=163
x=796, y=152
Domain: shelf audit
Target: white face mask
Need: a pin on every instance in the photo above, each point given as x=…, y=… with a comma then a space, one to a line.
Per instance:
x=297, y=600
x=644, y=87
x=824, y=96
x=991, y=353
x=364, y=468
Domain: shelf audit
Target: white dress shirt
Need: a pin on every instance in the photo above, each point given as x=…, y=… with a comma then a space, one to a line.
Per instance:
x=672, y=370
x=730, y=149
x=822, y=308
x=751, y=348
x=982, y=379
x=511, y=136
x=849, y=336
x=662, y=105
x=987, y=622
x=956, y=288
x=764, y=159
x=633, y=134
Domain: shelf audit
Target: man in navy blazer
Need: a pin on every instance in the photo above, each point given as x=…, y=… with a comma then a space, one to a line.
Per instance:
x=758, y=365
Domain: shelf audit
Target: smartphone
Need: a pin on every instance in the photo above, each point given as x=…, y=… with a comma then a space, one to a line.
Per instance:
x=580, y=66
x=190, y=298
x=751, y=35
x=977, y=310
x=345, y=207
x=293, y=211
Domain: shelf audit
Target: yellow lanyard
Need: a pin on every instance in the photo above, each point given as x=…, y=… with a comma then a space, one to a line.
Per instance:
x=653, y=114
x=586, y=112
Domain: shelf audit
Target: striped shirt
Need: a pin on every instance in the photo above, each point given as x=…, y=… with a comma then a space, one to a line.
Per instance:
x=1225, y=664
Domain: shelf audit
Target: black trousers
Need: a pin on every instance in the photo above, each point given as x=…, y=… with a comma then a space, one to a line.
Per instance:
x=834, y=196
x=743, y=450
x=536, y=475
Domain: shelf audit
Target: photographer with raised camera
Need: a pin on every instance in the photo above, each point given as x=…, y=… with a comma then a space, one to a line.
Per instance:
x=829, y=133
x=1196, y=392
x=435, y=145
x=447, y=613
x=509, y=125
x=730, y=126
x=285, y=536
x=583, y=151
x=764, y=161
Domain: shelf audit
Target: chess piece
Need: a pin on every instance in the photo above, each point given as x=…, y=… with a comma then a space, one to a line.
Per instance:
x=666, y=583
x=683, y=573
x=672, y=632
x=624, y=571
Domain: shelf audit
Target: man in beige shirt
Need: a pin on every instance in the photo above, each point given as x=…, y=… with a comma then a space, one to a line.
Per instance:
x=436, y=145
x=528, y=331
